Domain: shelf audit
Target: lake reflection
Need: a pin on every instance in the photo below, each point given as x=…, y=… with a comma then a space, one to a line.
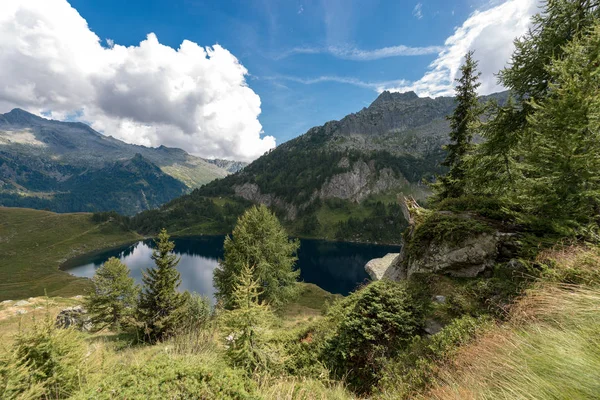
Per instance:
x=334, y=266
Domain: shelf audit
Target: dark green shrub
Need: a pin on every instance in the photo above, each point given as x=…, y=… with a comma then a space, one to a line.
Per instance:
x=196, y=311
x=164, y=377
x=485, y=206
x=371, y=325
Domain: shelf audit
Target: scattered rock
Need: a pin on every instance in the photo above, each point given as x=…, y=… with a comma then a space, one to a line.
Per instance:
x=74, y=317
x=22, y=303
x=6, y=302
x=20, y=311
x=377, y=267
x=439, y=299
x=515, y=264
x=432, y=326
x=78, y=297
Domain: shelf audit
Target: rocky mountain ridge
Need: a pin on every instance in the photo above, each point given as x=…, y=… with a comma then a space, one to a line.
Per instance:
x=394, y=143
x=46, y=164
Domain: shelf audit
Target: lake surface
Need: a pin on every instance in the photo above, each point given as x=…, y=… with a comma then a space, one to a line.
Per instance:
x=334, y=266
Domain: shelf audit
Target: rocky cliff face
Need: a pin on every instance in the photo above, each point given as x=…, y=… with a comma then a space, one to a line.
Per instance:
x=478, y=247
x=359, y=181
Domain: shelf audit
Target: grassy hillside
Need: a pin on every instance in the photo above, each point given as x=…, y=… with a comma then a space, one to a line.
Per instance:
x=549, y=348
x=34, y=243
x=545, y=347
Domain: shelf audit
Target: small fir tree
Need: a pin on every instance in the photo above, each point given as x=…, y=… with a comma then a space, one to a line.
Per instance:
x=259, y=240
x=462, y=124
x=111, y=303
x=246, y=322
x=159, y=309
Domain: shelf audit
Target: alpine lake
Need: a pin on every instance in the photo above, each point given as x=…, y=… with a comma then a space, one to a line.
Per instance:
x=337, y=267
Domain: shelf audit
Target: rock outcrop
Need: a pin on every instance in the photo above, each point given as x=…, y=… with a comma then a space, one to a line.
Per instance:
x=251, y=192
x=478, y=249
x=360, y=182
x=74, y=317
x=377, y=267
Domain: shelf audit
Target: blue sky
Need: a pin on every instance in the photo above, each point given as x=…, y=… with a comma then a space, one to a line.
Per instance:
x=308, y=61
x=261, y=33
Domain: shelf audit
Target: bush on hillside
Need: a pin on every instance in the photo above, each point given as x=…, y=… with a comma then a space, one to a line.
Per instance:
x=44, y=362
x=371, y=325
x=164, y=377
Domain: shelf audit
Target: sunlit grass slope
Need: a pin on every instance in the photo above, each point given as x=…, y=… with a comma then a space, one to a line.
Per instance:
x=34, y=243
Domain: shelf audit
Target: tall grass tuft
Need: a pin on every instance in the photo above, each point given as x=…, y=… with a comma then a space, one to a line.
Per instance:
x=550, y=350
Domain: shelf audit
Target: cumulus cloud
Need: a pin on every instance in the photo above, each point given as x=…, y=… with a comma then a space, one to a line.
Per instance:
x=490, y=33
x=192, y=97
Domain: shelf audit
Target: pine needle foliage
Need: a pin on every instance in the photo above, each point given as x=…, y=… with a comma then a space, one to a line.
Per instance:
x=463, y=123
x=159, y=309
x=259, y=240
x=111, y=302
x=44, y=362
x=246, y=323
x=563, y=163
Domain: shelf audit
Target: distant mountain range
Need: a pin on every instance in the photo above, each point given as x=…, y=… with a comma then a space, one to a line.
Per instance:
x=68, y=166
x=339, y=180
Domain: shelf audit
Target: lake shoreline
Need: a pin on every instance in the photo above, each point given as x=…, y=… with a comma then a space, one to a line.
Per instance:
x=334, y=266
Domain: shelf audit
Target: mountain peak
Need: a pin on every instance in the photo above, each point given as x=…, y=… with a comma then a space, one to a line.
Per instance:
x=392, y=97
x=17, y=115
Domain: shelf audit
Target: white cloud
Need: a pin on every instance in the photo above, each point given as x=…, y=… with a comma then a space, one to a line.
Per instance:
x=490, y=34
x=192, y=97
x=377, y=86
x=352, y=53
x=418, y=11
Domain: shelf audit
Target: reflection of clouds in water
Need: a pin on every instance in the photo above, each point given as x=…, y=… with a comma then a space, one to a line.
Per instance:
x=336, y=267
x=197, y=275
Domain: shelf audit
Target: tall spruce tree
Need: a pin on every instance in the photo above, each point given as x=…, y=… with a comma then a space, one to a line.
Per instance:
x=563, y=160
x=259, y=240
x=494, y=167
x=463, y=121
x=160, y=305
x=111, y=302
x=529, y=79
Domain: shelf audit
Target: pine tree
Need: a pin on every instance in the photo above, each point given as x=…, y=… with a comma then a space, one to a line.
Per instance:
x=112, y=301
x=259, y=240
x=494, y=167
x=462, y=124
x=560, y=21
x=246, y=322
x=563, y=161
x=160, y=305
x=497, y=166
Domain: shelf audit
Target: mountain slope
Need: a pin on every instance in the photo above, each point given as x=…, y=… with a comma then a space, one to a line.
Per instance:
x=339, y=180
x=396, y=141
x=46, y=164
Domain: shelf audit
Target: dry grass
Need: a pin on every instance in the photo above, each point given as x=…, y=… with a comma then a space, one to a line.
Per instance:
x=550, y=347
x=293, y=388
